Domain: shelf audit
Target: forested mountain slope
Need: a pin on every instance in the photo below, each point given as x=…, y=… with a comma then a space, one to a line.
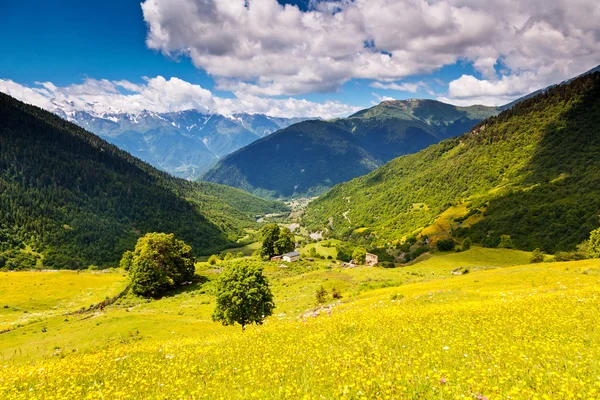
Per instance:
x=533, y=170
x=308, y=158
x=79, y=200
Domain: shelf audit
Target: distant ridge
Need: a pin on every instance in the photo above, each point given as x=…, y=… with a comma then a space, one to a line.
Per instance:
x=185, y=143
x=308, y=158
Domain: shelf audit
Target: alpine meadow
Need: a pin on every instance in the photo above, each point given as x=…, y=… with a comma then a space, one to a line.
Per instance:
x=300, y=199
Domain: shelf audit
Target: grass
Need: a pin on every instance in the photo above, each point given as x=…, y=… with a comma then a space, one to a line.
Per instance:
x=248, y=250
x=187, y=312
x=31, y=296
x=522, y=331
x=478, y=258
x=321, y=249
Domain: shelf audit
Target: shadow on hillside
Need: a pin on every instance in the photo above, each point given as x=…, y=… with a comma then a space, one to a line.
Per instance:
x=561, y=206
x=197, y=283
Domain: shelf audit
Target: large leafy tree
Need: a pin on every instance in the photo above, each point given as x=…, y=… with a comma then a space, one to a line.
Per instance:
x=276, y=240
x=243, y=295
x=159, y=262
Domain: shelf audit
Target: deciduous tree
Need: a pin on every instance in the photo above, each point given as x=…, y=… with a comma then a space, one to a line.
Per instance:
x=243, y=295
x=160, y=262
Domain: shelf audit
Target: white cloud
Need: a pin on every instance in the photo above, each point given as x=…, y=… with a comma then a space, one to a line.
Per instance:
x=36, y=97
x=381, y=98
x=469, y=90
x=265, y=48
x=161, y=95
x=403, y=87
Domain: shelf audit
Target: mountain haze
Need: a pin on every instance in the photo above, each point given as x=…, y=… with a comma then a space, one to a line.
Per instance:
x=532, y=172
x=308, y=158
x=79, y=200
x=186, y=143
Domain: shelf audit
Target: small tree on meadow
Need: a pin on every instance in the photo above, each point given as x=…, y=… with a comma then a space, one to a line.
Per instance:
x=160, y=262
x=321, y=295
x=243, y=295
x=359, y=255
x=467, y=244
x=593, y=247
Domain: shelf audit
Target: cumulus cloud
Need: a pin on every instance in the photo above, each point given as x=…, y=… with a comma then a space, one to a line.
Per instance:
x=468, y=90
x=261, y=47
x=161, y=95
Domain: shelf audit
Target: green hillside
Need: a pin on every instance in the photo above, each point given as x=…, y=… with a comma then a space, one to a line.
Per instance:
x=78, y=200
x=308, y=158
x=533, y=172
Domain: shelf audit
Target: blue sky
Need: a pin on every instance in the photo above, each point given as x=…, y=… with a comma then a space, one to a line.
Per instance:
x=456, y=58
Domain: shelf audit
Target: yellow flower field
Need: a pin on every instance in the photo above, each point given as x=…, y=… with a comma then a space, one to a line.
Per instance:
x=526, y=332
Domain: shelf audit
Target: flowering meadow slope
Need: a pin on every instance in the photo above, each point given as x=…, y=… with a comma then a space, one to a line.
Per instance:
x=524, y=332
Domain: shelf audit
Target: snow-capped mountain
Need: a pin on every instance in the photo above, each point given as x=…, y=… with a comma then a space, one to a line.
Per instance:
x=185, y=143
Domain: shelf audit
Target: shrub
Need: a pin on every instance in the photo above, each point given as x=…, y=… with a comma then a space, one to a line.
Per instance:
x=593, y=247
x=467, y=244
x=214, y=259
x=567, y=256
x=336, y=293
x=537, y=256
x=506, y=242
x=445, y=244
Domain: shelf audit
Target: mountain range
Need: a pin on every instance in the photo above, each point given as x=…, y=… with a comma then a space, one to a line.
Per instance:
x=310, y=157
x=531, y=173
x=185, y=144
x=77, y=200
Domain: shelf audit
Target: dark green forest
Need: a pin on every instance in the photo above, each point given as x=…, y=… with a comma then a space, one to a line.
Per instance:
x=534, y=171
x=79, y=200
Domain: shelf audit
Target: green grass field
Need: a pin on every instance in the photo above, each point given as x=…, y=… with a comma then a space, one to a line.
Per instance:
x=321, y=249
x=385, y=338
x=33, y=296
x=133, y=319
